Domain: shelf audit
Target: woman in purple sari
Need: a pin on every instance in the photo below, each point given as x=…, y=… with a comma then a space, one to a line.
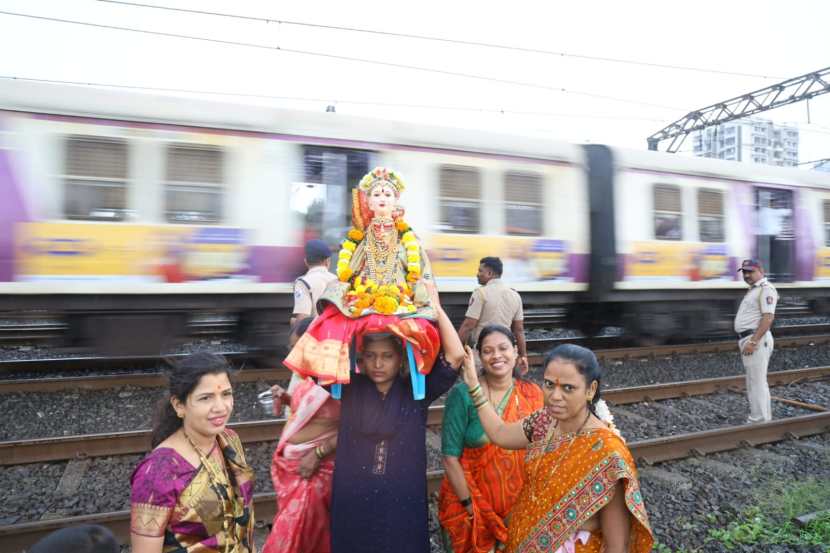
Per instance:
x=194, y=491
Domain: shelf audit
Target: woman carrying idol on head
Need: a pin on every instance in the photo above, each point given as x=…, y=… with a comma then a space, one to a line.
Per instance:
x=377, y=342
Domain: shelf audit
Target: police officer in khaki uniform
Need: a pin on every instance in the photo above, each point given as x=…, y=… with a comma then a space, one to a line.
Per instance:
x=752, y=323
x=309, y=287
x=494, y=303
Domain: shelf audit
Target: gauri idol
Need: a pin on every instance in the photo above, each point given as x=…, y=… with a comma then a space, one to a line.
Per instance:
x=380, y=288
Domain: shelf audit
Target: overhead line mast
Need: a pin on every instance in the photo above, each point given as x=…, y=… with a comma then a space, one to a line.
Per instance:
x=786, y=92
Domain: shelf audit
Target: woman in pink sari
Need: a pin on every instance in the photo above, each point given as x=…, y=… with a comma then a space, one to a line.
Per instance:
x=302, y=469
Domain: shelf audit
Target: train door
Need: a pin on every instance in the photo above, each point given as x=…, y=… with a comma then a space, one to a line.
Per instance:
x=776, y=232
x=323, y=200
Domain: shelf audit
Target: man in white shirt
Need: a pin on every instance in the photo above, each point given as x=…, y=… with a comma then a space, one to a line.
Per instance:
x=752, y=324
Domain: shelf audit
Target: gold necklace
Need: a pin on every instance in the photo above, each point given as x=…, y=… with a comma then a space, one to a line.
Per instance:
x=561, y=457
x=223, y=492
x=381, y=252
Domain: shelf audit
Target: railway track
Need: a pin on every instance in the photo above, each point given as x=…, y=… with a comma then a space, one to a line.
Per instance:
x=39, y=332
x=16, y=452
x=19, y=536
x=155, y=379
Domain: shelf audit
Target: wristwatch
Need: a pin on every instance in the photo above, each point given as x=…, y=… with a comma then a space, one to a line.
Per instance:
x=466, y=502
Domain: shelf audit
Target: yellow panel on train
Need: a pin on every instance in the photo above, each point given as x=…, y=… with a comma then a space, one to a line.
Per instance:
x=525, y=258
x=123, y=251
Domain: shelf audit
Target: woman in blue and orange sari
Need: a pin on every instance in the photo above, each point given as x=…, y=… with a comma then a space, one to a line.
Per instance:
x=581, y=492
x=483, y=480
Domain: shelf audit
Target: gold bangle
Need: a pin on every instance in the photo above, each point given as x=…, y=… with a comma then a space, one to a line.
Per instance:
x=318, y=451
x=480, y=404
x=474, y=390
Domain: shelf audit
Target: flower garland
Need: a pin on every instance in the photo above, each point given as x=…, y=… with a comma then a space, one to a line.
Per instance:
x=387, y=299
x=604, y=414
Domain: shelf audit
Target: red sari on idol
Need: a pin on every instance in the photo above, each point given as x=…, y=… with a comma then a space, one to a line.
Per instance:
x=302, y=521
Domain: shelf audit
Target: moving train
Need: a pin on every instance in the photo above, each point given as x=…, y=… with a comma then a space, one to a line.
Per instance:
x=128, y=213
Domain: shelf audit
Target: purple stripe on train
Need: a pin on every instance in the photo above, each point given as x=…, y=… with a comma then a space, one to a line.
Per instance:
x=805, y=244
x=276, y=263
x=12, y=211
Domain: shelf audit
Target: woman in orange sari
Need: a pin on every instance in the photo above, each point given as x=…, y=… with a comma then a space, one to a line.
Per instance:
x=483, y=480
x=581, y=492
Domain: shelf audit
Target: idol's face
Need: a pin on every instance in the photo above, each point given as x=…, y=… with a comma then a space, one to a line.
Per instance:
x=382, y=200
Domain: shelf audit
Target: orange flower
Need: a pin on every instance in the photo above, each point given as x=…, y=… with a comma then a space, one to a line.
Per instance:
x=413, y=277
x=355, y=234
x=401, y=225
x=364, y=300
x=385, y=305
x=344, y=274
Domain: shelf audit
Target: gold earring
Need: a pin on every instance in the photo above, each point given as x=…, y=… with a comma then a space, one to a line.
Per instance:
x=180, y=415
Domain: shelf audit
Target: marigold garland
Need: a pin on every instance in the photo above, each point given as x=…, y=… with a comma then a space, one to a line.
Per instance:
x=365, y=293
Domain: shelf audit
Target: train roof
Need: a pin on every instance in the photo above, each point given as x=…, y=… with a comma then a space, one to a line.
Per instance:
x=136, y=107
x=661, y=163
x=132, y=107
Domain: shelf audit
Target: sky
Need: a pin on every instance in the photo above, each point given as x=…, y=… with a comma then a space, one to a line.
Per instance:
x=740, y=46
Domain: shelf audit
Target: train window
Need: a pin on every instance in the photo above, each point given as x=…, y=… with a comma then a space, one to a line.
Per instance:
x=523, y=203
x=194, y=185
x=323, y=200
x=710, y=215
x=460, y=200
x=95, y=178
x=827, y=223
x=668, y=212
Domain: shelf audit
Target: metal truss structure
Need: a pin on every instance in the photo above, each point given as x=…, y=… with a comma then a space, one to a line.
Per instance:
x=774, y=96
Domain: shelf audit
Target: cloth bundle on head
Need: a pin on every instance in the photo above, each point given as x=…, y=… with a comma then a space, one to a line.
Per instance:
x=381, y=269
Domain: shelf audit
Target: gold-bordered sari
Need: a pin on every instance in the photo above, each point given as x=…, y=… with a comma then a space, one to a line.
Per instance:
x=568, y=481
x=172, y=498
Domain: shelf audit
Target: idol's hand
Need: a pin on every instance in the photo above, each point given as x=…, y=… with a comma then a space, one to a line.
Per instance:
x=469, y=372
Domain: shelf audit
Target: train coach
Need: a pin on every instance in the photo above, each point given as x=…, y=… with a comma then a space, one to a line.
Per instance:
x=129, y=214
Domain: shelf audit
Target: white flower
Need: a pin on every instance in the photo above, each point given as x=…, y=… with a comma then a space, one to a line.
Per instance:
x=602, y=411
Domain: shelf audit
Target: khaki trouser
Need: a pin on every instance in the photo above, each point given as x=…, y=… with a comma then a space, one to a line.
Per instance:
x=757, y=388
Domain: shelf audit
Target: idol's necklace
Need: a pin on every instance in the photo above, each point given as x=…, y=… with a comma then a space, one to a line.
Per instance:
x=381, y=251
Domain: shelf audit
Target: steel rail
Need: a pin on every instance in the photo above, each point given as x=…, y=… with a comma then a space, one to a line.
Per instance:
x=154, y=380
x=19, y=536
x=41, y=450
x=654, y=392
x=136, y=380
x=699, y=347
x=94, y=362
x=681, y=446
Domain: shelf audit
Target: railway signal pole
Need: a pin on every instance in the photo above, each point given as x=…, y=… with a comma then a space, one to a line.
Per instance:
x=786, y=92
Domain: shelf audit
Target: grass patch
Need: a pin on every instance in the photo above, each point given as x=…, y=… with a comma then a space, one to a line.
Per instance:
x=769, y=520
